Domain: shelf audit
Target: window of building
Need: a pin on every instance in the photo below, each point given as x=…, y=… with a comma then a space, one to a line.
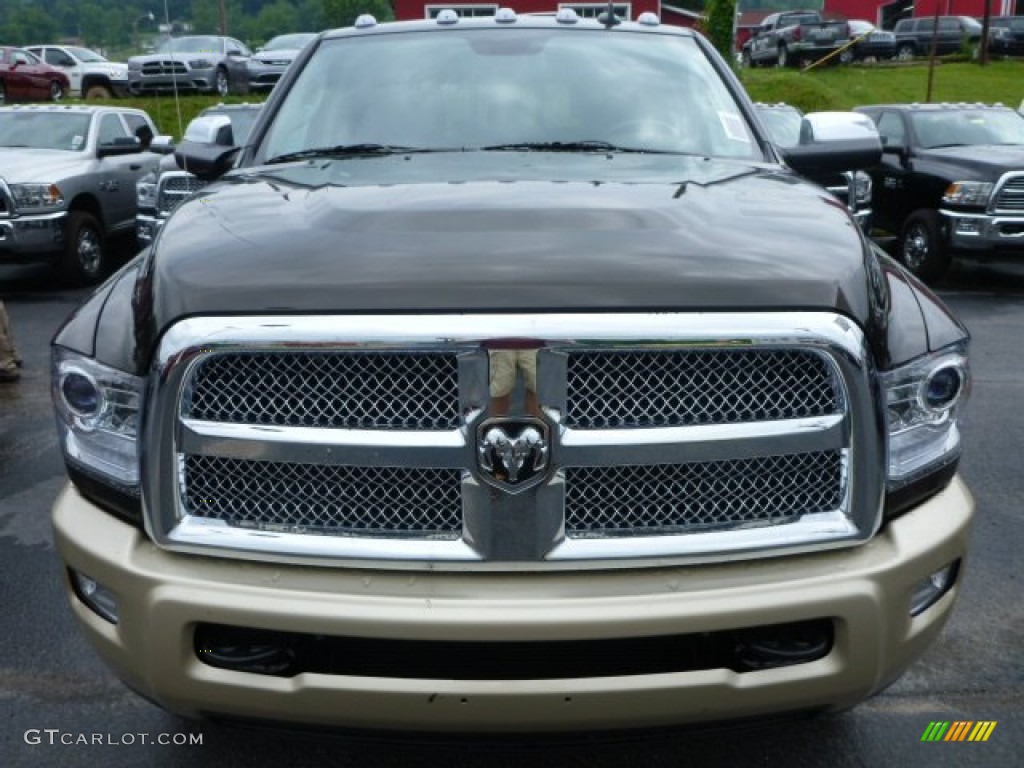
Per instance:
x=465, y=11
x=593, y=10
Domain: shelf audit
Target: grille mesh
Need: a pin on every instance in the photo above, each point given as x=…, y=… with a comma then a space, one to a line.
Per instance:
x=1011, y=196
x=673, y=498
x=692, y=387
x=174, y=189
x=355, y=390
x=367, y=501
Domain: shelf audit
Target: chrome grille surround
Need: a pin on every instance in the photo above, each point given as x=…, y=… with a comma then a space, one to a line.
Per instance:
x=164, y=67
x=839, y=439
x=1008, y=196
x=173, y=187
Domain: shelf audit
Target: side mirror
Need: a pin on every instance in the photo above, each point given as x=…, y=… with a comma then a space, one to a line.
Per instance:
x=123, y=145
x=831, y=142
x=205, y=161
x=211, y=129
x=162, y=145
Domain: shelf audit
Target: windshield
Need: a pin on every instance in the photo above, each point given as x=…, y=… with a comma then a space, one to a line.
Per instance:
x=201, y=44
x=288, y=42
x=968, y=127
x=474, y=88
x=85, y=55
x=44, y=130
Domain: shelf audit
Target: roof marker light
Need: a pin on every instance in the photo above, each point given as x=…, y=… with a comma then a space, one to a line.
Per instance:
x=447, y=16
x=365, y=21
x=648, y=19
x=505, y=16
x=567, y=16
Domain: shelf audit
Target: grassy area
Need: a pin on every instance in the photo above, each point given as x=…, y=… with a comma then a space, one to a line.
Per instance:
x=846, y=87
x=164, y=109
x=820, y=89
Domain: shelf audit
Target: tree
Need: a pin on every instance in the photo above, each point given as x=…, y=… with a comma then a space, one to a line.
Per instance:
x=27, y=25
x=343, y=13
x=719, y=24
x=277, y=18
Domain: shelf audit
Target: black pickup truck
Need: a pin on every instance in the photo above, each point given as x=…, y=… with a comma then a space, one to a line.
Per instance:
x=950, y=183
x=484, y=391
x=793, y=38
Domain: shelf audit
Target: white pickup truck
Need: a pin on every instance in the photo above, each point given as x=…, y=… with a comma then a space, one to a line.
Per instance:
x=91, y=75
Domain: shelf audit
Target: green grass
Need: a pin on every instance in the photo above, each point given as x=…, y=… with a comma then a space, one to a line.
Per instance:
x=826, y=88
x=164, y=109
x=846, y=87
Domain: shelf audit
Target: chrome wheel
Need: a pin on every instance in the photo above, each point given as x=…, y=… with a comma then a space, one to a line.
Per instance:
x=905, y=53
x=56, y=91
x=916, y=246
x=89, y=251
x=222, y=84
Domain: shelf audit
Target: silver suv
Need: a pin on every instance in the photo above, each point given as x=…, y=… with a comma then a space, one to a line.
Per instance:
x=67, y=183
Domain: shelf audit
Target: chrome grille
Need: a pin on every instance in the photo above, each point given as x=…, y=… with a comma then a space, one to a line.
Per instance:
x=1011, y=196
x=699, y=386
x=309, y=498
x=173, y=187
x=355, y=390
x=662, y=499
x=356, y=439
x=166, y=67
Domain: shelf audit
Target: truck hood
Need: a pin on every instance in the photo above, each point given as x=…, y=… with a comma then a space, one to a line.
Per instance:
x=731, y=237
x=982, y=163
x=18, y=164
x=725, y=235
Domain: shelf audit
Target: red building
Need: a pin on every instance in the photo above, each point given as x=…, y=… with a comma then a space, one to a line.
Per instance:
x=428, y=9
x=884, y=14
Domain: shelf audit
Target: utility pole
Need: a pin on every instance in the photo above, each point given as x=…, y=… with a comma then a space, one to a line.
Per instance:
x=222, y=17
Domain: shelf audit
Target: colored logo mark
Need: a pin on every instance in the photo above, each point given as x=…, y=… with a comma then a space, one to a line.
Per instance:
x=959, y=730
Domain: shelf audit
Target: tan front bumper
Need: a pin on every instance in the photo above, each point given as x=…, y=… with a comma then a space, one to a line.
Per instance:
x=161, y=596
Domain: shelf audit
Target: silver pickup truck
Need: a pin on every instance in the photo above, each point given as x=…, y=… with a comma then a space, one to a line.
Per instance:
x=67, y=183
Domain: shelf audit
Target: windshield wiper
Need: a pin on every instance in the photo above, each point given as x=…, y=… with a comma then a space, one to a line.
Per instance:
x=571, y=146
x=349, y=150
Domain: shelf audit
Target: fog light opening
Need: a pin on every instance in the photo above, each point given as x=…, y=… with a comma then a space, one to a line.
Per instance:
x=255, y=651
x=967, y=227
x=784, y=646
x=97, y=597
x=928, y=591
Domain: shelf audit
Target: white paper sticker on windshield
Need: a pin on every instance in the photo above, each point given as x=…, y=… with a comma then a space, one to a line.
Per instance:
x=733, y=125
x=77, y=142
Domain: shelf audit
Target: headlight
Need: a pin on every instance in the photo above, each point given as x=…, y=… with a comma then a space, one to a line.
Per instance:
x=98, y=411
x=36, y=196
x=923, y=401
x=201, y=64
x=145, y=191
x=968, y=193
x=861, y=188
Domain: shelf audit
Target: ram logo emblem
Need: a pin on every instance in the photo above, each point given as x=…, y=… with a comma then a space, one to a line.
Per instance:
x=513, y=453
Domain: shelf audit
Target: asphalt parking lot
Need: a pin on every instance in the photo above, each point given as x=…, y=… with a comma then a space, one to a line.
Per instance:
x=60, y=706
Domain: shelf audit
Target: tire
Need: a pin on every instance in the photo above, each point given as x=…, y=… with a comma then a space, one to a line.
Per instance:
x=921, y=248
x=783, y=59
x=905, y=53
x=3, y=93
x=847, y=56
x=84, y=260
x=748, y=62
x=57, y=92
x=221, y=82
x=97, y=92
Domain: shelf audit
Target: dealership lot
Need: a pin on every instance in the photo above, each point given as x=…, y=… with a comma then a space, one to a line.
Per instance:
x=59, y=704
